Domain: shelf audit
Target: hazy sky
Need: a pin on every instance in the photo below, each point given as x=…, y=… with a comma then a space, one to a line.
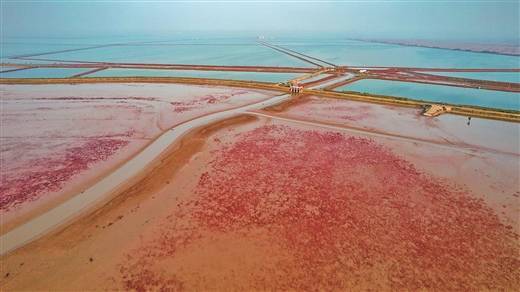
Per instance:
x=418, y=19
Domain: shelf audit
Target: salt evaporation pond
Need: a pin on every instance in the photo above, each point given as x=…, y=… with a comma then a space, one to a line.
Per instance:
x=493, y=76
x=44, y=73
x=250, y=54
x=3, y=68
x=359, y=53
x=256, y=76
x=437, y=93
x=246, y=51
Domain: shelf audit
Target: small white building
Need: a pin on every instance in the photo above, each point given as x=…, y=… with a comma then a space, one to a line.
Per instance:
x=296, y=88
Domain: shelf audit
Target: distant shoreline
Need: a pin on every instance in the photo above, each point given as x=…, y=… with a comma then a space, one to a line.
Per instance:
x=497, y=49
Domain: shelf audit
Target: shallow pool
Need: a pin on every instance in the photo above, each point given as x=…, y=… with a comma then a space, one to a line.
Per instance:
x=437, y=93
x=43, y=73
x=359, y=53
x=493, y=76
x=256, y=76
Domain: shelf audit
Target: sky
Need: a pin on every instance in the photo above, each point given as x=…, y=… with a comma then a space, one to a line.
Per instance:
x=436, y=19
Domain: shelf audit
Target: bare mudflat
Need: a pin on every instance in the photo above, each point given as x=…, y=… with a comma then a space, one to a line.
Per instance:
x=315, y=194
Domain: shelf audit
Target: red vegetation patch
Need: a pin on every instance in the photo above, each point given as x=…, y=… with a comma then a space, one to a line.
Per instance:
x=350, y=212
x=332, y=109
x=47, y=175
x=182, y=106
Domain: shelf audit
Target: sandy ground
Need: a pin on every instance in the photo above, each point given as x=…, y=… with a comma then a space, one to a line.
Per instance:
x=59, y=139
x=255, y=203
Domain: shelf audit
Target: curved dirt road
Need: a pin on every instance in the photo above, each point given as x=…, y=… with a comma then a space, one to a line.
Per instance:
x=74, y=207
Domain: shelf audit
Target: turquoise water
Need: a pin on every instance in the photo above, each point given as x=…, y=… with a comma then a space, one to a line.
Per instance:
x=494, y=76
x=357, y=53
x=10, y=46
x=2, y=68
x=232, y=50
x=180, y=50
x=43, y=72
x=256, y=76
x=246, y=51
x=437, y=93
x=238, y=54
x=16, y=49
x=22, y=61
